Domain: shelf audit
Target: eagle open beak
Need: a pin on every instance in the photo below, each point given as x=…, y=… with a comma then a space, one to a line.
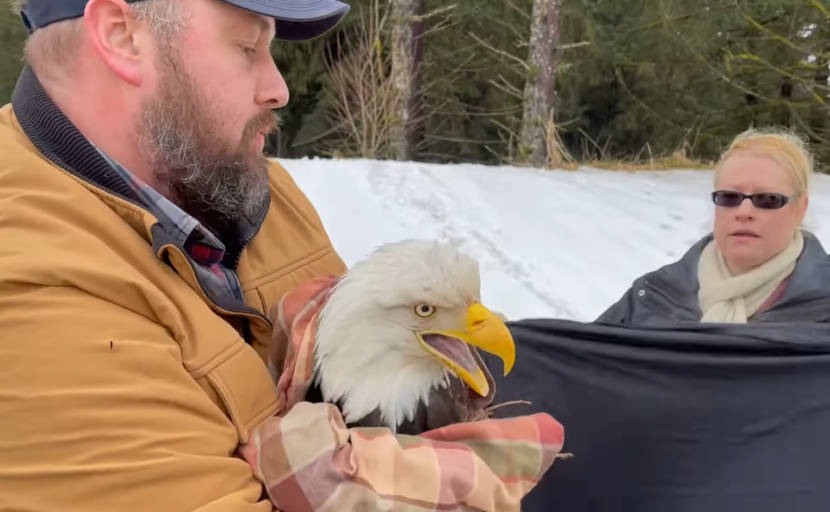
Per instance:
x=484, y=330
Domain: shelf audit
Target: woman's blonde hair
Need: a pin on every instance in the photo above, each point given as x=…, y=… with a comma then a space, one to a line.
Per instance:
x=786, y=149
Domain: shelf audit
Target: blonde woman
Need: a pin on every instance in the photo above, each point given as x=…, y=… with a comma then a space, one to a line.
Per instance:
x=757, y=265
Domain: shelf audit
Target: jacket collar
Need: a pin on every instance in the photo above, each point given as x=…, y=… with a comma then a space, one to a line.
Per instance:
x=808, y=284
x=54, y=135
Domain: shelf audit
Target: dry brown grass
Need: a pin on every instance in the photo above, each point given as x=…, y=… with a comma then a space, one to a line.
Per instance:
x=677, y=160
x=362, y=96
x=556, y=154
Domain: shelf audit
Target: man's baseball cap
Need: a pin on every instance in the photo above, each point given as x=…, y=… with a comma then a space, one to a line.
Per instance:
x=296, y=20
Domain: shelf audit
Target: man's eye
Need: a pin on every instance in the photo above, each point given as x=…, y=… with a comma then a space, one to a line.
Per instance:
x=250, y=51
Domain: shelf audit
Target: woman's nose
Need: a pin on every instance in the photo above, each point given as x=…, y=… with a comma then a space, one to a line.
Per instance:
x=746, y=209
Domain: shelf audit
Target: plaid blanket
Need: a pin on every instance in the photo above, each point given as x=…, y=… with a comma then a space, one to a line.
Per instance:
x=309, y=460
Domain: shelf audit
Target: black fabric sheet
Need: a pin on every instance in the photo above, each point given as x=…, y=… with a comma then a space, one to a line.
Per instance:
x=693, y=418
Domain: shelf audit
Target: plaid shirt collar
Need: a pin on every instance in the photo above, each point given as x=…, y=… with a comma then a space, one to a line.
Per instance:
x=198, y=242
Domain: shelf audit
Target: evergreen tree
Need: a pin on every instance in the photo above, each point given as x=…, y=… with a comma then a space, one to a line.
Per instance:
x=12, y=37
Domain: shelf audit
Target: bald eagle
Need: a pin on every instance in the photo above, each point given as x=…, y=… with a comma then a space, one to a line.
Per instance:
x=396, y=342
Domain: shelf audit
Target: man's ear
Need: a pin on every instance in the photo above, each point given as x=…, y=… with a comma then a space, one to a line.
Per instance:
x=114, y=33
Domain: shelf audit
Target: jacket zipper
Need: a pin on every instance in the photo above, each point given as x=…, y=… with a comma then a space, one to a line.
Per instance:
x=248, y=312
x=247, y=240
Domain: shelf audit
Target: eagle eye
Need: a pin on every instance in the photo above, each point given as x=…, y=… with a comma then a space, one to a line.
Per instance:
x=424, y=310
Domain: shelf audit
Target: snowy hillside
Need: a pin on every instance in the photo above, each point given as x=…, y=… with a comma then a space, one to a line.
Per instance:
x=562, y=244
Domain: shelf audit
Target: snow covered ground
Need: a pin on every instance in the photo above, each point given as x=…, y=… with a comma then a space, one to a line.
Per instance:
x=563, y=244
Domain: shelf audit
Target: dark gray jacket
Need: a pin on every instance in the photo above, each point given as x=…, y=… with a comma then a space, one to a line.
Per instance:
x=668, y=295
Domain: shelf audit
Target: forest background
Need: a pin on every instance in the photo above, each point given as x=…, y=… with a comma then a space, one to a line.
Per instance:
x=546, y=83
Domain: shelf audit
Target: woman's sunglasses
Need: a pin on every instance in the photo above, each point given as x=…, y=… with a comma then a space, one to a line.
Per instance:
x=763, y=200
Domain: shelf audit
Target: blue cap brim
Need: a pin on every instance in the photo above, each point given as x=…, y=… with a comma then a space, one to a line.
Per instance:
x=298, y=20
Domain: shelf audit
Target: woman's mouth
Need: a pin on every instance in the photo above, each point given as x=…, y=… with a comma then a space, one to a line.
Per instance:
x=744, y=233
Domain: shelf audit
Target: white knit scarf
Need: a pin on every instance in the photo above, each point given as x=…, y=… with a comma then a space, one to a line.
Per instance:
x=727, y=298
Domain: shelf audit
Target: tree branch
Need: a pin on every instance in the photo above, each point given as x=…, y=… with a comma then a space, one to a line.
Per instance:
x=503, y=53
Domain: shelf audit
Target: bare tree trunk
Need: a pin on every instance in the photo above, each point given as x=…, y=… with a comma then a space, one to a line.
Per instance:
x=407, y=55
x=820, y=113
x=540, y=84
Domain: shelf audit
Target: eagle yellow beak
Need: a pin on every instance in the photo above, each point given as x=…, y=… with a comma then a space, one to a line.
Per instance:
x=484, y=330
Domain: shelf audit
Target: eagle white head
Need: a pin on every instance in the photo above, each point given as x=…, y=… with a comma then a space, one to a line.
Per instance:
x=399, y=325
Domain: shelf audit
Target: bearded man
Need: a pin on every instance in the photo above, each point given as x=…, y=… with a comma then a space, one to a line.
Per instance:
x=145, y=239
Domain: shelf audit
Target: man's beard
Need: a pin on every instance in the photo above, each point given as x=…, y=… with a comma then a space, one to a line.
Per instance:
x=221, y=184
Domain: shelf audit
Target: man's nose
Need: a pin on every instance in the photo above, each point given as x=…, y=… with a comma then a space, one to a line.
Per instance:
x=272, y=91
